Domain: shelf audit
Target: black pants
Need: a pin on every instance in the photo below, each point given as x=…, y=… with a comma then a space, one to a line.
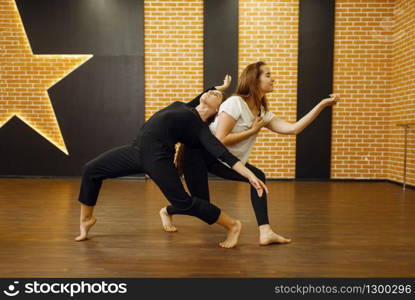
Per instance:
x=196, y=165
x=150, y=159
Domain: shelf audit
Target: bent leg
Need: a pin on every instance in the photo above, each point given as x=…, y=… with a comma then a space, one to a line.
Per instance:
x=266, y=235
x=196, y=177
x=117, y=162
x=259, y=204
x=165, y=175
x=170, y=184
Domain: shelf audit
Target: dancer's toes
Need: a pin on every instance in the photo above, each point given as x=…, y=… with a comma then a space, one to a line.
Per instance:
x=233, y=236
x=272, y=238
x=84, y=228
x=169, y=228
x=81, y=237
x=166, y=221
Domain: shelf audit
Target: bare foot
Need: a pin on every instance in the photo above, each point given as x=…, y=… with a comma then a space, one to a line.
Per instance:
x=85, y=227
x=233, y=236
x=166, y=220
x=271, y=237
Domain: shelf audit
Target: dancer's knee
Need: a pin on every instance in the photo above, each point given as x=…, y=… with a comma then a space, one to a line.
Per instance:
x=89, y=169
x=185, y=205
x=200, y=208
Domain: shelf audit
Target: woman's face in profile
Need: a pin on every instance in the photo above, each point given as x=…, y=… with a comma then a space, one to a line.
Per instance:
x=212, y=100
x=266, y=82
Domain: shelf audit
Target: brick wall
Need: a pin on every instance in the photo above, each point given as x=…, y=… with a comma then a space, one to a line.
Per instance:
x=25, y=78
x=362, y=69
x=373, y=71
x=402, y=103
x=173, y=52
x=268, y=31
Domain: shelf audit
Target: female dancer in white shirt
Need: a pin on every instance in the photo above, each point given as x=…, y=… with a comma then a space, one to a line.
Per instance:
x=239, y=120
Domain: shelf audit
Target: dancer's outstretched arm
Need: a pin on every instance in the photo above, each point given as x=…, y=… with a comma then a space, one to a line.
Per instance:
x=283, y=127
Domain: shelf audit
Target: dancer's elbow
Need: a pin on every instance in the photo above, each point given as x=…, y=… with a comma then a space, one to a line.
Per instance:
x=294, y=130
x=224, y=140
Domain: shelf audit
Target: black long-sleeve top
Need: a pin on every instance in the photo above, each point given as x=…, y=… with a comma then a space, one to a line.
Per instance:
x=180, y=122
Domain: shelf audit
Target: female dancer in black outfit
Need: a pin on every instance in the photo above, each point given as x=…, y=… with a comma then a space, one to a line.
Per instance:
x=152, y=152
x=195, y=163
x=254, y=82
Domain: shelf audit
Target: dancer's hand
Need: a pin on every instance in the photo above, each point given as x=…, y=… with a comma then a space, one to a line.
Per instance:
x=253, y=180
x=258, y=185
x=331, y=101
x=258, y=123
x=226, y=83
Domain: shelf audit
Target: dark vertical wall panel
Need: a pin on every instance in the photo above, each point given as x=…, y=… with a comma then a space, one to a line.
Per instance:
x=315, y=79
x=100, y=105
x=220, y=49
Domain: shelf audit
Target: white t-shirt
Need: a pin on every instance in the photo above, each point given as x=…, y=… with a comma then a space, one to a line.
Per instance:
x=238, y=109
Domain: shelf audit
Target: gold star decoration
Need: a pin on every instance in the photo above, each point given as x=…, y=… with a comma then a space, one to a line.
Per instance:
x=25, y=77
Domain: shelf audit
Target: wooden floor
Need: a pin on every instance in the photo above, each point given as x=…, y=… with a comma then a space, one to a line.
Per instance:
x=340, y=229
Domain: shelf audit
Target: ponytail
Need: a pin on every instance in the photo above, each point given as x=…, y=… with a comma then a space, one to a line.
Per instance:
x=178, y=158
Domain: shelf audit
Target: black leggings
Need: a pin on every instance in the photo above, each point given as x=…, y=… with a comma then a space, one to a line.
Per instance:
x=150, y=159
x=196, y=165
